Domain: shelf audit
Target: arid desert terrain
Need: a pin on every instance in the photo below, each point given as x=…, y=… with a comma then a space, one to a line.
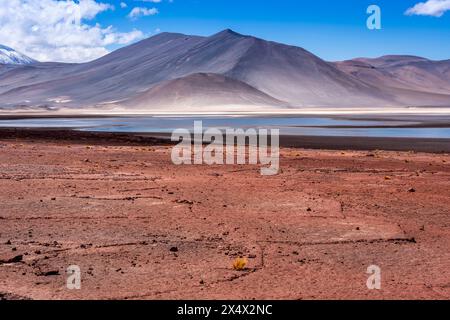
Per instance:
x=140, y=227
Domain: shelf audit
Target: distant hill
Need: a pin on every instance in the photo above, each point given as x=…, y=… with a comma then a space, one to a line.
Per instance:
x=202, y=91
x=409, y=79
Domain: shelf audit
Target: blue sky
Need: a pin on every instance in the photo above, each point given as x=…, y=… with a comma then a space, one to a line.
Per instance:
x=333, y=30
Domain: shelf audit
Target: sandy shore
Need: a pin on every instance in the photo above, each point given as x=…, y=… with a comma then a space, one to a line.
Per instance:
x=140, y=227
x=111, y=109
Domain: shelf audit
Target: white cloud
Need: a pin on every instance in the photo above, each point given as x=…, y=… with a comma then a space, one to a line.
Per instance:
x=140, y=11
x=57, y=30
x=435, y=8
x=123, y=5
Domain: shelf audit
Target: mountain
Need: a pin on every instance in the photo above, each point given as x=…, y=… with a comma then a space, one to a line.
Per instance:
x=202, y=91
x=10, y=56
x=225, y=69
x=116, y=76
x=409, y=78
x=284, y=72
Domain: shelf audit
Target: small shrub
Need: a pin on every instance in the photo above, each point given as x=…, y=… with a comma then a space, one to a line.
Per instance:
x=239, y=264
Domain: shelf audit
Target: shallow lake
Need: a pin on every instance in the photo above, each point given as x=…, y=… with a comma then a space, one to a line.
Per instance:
x=357, y=126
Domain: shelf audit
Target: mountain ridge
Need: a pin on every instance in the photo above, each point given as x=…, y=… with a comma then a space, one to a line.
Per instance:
x=282, y=72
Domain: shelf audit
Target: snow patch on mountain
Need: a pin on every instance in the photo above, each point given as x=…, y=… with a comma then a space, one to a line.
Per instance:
x=10, y=56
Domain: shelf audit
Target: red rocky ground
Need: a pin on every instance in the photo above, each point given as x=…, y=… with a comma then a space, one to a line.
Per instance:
x=140, y=227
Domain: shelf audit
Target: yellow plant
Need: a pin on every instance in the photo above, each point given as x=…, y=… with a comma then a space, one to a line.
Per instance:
x=239, y=264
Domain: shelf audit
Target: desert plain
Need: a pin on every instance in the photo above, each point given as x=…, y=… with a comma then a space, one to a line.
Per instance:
x=140, y=227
